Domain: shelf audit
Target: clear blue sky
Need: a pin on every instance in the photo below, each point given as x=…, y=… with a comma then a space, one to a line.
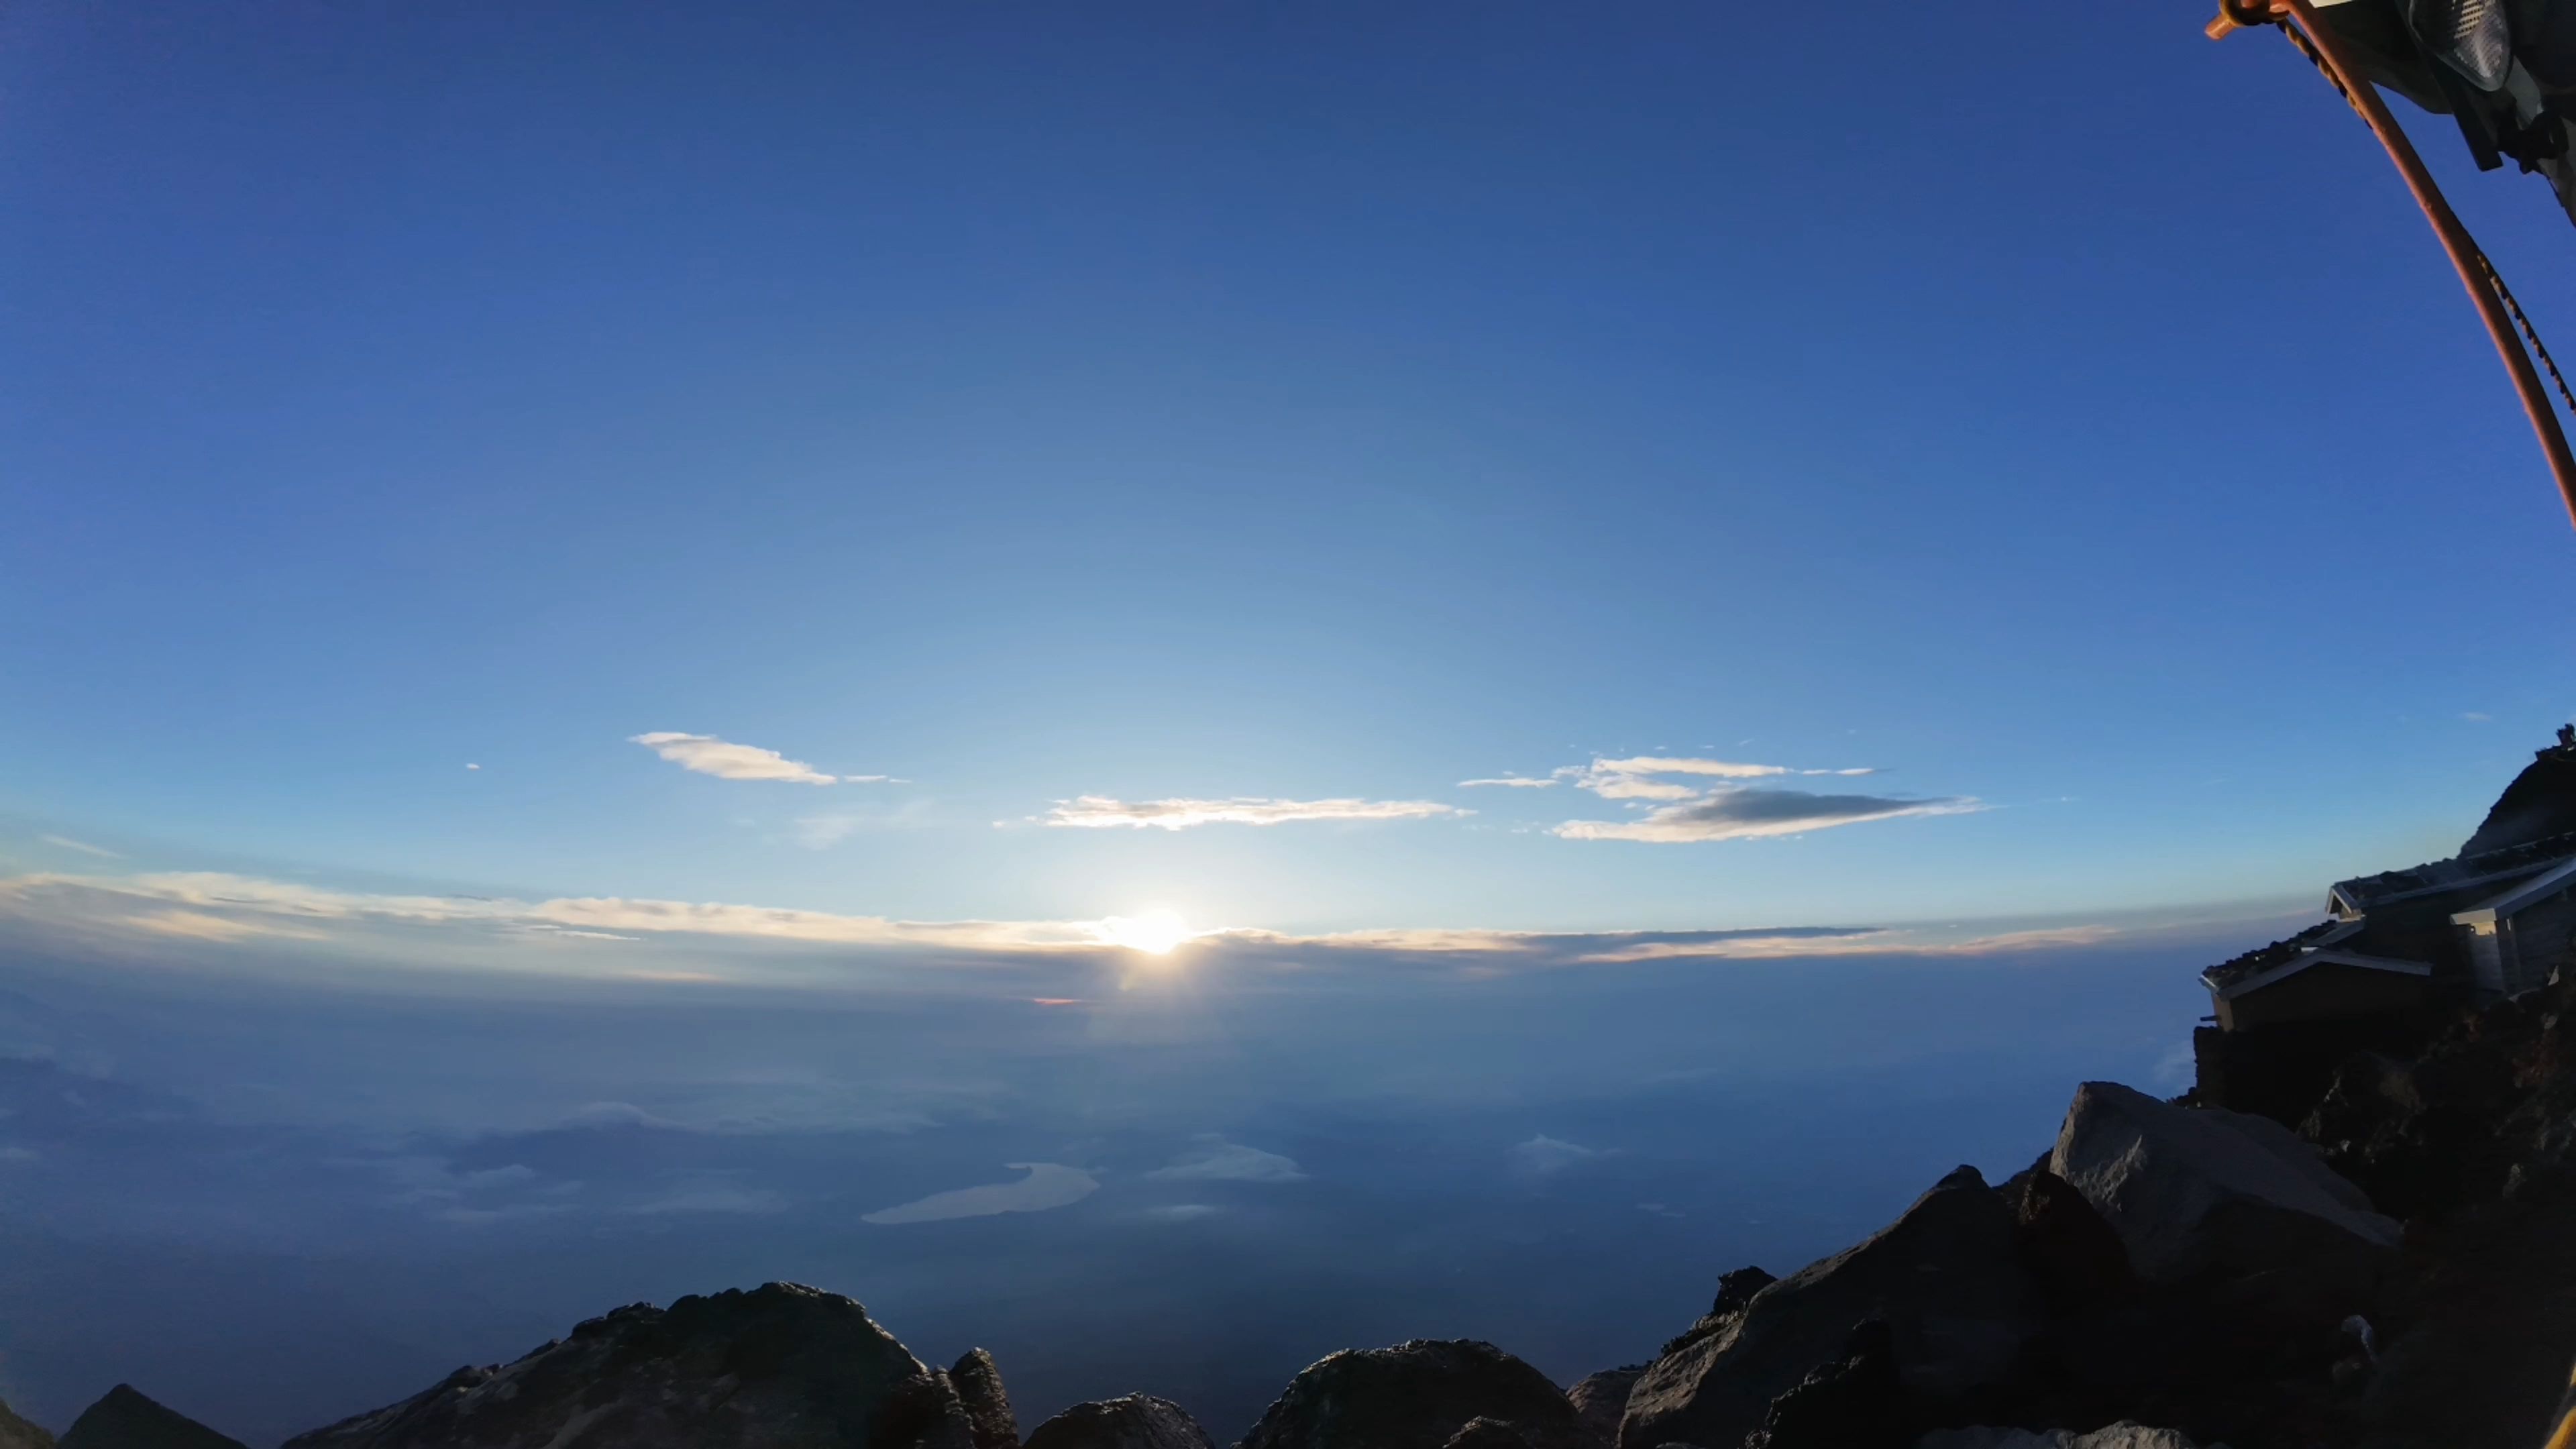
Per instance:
x=2060, y=415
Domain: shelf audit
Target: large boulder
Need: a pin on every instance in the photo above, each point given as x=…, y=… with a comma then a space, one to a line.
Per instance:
x=1946, y=1279
x=978, y=1382
x=17, y=1433
x=124, y=1419
x=2075, y=1254
x=779, y=1367
x=1416, y=1395
x=1855, y=1402
x=2123, y=1435
x=2196, y=1191
x=1601, y=1400
x=1138, y=1421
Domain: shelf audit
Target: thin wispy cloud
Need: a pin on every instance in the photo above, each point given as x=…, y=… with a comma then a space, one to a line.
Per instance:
x=84, y=847
x=1218, y=1160
x=708, y=755
x=1545, y=1156
x=1100, y=812
x=1752, y=812
x=1515, y=782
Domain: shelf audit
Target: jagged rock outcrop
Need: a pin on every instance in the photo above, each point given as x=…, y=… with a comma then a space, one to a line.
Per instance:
x=17, y=1433
x=1488, y=1434
x=1946, y=1278
x=2115, y=1436
x=2076, y=1256
x=2195, y=1191
x=1601, y=1400
x=2540, y=803
x=1855, y=1402
x=780, y=1367
x=1734, y=1290
x=1138, y=1421
x=978, y=1382
x=1416, y=1395
x=124, y=1419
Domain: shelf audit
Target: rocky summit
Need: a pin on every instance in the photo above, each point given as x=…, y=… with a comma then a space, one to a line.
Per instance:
x=125, y=1419
x=779, y=1367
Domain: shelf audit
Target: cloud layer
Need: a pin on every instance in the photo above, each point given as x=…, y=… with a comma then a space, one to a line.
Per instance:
x=1741, y=814
x=1099, y=812
x=708, y=755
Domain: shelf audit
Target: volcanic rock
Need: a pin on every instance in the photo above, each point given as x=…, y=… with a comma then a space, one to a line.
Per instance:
x=779, y=1367
x=17, y=1433
x=978, y=1382
x=2192, y=1191
x=1946, y=1277
x=1138, y=1421
x=1853, y=1403
x=1599, y=1401
x=1416, y=1395
x=2115, y=1436
x=2077, y=1257
x=125, y=1419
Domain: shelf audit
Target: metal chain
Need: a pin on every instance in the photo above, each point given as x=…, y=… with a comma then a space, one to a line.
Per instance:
x=2495, y=278
x=2530, y=333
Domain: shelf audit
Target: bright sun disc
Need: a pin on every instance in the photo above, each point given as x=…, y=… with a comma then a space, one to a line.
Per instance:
x=1155, y=933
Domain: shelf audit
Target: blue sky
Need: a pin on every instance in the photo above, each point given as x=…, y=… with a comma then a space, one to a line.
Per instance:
x=1315, y=403
x=624, y=624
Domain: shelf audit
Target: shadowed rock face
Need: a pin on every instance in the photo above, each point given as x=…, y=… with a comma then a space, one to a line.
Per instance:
x=17, y=1433
x=978, y=1382
x=2540, y=803
x=780, y=1367
x=1138, y=1421
x=1416, y=1395
x=125, y=1419
x=1601, y=1401
x=1947, y=1278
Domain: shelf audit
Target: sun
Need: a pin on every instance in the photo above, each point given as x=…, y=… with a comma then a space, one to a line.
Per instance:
x=1155, y=933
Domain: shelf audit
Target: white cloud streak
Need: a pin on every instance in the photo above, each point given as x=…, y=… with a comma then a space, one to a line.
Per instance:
x=708, y=755
x=84, y=847
x=1514, y=782
x=1099, y=812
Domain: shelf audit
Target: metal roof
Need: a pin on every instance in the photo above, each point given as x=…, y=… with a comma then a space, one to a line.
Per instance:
x=2365, y=891
x=2330, y=956
x=2538, y=888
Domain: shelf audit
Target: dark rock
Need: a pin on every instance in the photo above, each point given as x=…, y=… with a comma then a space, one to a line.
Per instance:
x=1946, y=1277
x=125, y=1419
x=1734, y=1290
x=978, y=1382
x=779, y=1367
x=2077, y=1258
x=17, y=1433
x=1482, y=1433
x=1138, y=1421
x=2200, y=1191
x=1856, y=1402
x=1417, y=1395
x=1600, y=1401
x=2540, y=803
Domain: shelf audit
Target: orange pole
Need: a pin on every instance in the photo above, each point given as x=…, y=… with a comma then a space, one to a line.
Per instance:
x=2465, y=256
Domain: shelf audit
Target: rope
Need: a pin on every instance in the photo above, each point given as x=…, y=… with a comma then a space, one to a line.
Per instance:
x=2495, y=279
